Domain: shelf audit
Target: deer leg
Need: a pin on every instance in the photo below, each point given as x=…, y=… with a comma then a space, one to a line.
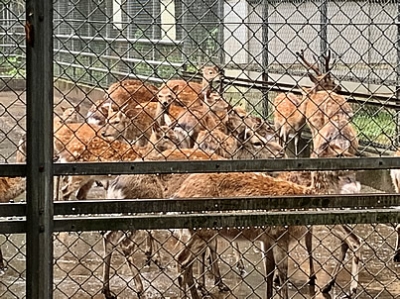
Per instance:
x=349, y=240
x=74, y=183
x=2, y=267
x=195, y=247
x=396, y=257
x=84, y=190
x=128, y=248
x=215, y=268
x=152, y=251
x=268, y=256
x=280, y=254
x=238, y=258
x=108, y=250
x=308, y=241
x=296, y=144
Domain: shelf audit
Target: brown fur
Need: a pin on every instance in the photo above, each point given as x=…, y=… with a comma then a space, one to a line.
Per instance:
x=189, y=93
x=276, y=239
x=127, y=92
x=321, y=106
x=98, y=149
x=68, y=117
x=10, y=188
x=289, y=117
x=134, y=125
x=202, y=117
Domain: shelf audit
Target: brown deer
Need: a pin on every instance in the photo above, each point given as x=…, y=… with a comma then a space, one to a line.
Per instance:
x=275, y=239
x=68, y=117
x=129, y=92
x=99, y=149
x=201, y=116
x=289, y=118
x=188, y=93
x=134, y=124
x=130, y=187
x=152, y=186
x=322, y=102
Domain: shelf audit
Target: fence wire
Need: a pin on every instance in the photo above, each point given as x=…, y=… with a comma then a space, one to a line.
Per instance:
x=176, y=80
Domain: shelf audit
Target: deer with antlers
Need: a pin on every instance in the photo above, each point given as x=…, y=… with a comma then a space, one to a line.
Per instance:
x=322, y=103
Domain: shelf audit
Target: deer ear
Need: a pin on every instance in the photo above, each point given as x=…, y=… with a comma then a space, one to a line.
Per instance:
x=77, y=108
x=63, y=108
x=175, y=89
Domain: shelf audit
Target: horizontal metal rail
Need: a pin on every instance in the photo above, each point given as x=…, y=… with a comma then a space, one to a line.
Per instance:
x=240, y=220
x=167, y=167
x=220, y=220
x=151, y=42
x=107, y=71
x=196, y=205
x=212, y=166
x=108, y=57
x=362, y=98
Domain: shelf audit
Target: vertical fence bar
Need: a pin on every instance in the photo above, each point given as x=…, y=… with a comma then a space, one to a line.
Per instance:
x=323, y=31
x=221, y=52
x=397, y=137
x=39, y=247
x=264, y=26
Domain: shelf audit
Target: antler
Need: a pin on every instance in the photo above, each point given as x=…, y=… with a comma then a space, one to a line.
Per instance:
x=308, y=64
x=327, y=59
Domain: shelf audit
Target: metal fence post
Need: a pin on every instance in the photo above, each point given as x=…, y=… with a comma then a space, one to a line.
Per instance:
x=39, y=247
x=323, y=33
x=397, y=137
x=265, y=101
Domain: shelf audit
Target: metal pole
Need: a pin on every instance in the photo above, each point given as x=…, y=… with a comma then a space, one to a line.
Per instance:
x=39, y=245
x=323, y=33
x=264, y=26
x=221, y=28
x=397, y=137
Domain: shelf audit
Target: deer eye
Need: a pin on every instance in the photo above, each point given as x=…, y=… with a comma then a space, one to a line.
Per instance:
x=258, y=144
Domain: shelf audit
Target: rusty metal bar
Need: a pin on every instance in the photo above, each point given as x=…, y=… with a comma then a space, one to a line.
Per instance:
x=167, y=167
x=219, y=220
x=39, y=224
x=184, y=205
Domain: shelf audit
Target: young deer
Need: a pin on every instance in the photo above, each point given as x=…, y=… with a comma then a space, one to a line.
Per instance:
x=98, y=149
x=289, y=118
x=201, y=116
x=69, y=117
x=134, y=124
x=127, y=92
x=188, y=93
x=275, y=239
x=130, y=187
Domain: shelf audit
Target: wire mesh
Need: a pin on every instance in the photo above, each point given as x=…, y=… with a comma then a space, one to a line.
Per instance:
x=212, y=80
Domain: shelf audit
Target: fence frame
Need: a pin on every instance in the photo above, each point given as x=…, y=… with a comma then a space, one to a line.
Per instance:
x=40, y=210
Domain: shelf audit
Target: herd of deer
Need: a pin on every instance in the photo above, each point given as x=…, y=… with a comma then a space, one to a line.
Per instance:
x=184, y=120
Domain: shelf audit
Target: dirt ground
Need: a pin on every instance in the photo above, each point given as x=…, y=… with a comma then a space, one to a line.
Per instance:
x=78, y=256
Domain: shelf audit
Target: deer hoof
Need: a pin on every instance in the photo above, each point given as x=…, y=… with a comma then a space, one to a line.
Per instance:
x=328, y=287
x=108, y=295
x=312, y=280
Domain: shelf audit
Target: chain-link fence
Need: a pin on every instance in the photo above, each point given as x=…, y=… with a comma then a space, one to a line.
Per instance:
x=248, y=91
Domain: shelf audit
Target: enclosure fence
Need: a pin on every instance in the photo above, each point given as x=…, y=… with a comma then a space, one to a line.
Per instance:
x=225, y=149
